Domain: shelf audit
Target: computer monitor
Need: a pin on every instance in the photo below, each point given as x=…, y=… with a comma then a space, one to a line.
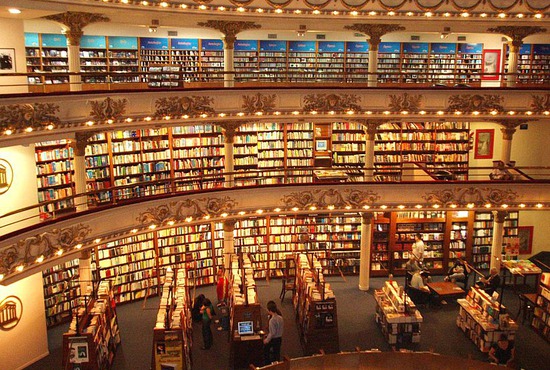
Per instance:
x=245, y=328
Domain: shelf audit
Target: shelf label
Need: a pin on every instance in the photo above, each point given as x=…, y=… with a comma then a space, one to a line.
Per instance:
x=272, y=45
x=443, y=48
x=357, y=47
x=331, y=46
x=415, y=47
x=185, y=44
x=52, y=40
x=93, y=42
x=246, y=45
x=389, y=47
x=121, y=42
x=543, y=49
x=31, y=39
x=212, y=45
x=470, y=48
x=151, y=43
x=302, y=46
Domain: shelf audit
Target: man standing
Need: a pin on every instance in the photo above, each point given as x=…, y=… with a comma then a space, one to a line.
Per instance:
x=418, y=248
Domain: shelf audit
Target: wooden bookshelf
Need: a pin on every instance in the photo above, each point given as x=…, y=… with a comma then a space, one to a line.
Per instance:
x=272, y=60
x=389, y=62
x=302, y=61
x=414, y=62
x=61, y=291
x=185, y=53
x=98, y=168
x=271, y=152
x=299, y=150
x=211, y=56
x=348, y=144
x=380, y=248
x=330, y=61
x=442, y=63
x=469, y=63
x=93, y=58
x=123, y=59
x=357, y=61
x=541, y=314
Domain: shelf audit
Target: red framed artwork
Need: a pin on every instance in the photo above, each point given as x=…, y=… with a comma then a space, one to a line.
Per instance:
x=525, y=235
x=484, y=144
x=491, y=64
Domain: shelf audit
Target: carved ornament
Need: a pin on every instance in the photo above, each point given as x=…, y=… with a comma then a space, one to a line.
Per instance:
x=229, y=129
x=471, y=103
x=26, y=251
x=108, y=109
x=230, y=29
x=259, y=103
x=331, y=197
x=75, y=23
x=187, y=105
x=331, y=102
x=405, y=102
x=22, y=116
x=184, y=209
x=475, y=195
x=374, y=31
x=11, y=310
x=541, y=103
x=517, y=33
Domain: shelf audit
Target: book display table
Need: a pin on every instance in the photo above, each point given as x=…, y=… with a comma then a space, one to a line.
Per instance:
x=397, y=315
x=521, y=268
x=483, y=320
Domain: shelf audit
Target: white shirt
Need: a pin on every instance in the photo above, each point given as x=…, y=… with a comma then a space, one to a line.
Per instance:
x=418, y=250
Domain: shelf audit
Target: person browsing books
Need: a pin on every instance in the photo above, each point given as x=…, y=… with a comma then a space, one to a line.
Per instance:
x=491, y=282
x=274, y=337
x=418, y=248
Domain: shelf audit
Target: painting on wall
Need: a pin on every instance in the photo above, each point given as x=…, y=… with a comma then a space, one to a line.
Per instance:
x=7, y=60
x=483, y=148
x=525, y=235
x=491, y=64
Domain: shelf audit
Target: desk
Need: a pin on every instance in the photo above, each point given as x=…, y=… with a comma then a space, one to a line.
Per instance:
x=246, y=352
x=446, y=289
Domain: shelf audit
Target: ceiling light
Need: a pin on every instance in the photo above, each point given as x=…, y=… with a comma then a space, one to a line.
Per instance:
x=372, y=12
x=8, y=132
x=538, y=16
x=520, y=15
x=316, y=12
x=59, y=252
x=470, y=205
x=483, y=15
x=19, y=268
x=242, y=213
x=453, y=205
x=152, y=227
x=277, y=210
x=40, y=259
x=436, y=206
x=383, y=206
x=336, y=12
x=522, y=205
x=278, y=11
x=502, y=15
x=539, y=205
x=1, y=276
x=164, y=4
x=391, y=13
x=295, y=209
x=133, y=231
x=14, y=11
x=260, y=10
x=97, y=241
x=488, y=205
x=78, y=246
x=410, y=14
x=202, y=7
x=429, y=14
x=260, y=211
x=240, y=9
x=224, y=215
x=28, y=129
x=465, y=14
x=401, y=206
x=418, y=206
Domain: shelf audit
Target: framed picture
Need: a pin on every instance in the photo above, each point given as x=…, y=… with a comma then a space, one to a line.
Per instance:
x=483, y=148
x=7, y=60
x=491, y=64
x=525, y=235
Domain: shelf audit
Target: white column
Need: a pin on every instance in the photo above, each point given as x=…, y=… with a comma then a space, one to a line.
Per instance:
x=366, y=241
x=228, y=243
x=373, y=63
x=79, y=177
x=513, y=57
x=229, y=64
x=370, y=131
x=498, y=236
x=73, y=53
x=85, y=271
x=507, y=135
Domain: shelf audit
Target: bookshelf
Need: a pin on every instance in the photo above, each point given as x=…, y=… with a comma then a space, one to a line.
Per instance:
x=414, y=62
x=211, y=56
x=357, y=61
x=483, y=236
x=468, y=63
x=380, y=248
x=302, y=61
x=482, y=320
x=524, y=62
x=442, y=62
x=251, y=238
x=185, y=53
x=271, y=152
x=98, y=168
x=54, y=175
x=245, y=59
x=33, y=57
x=316, y=309
x=348, y=144
x=460, y=237
x=93, y=58
x=93, y=336
x=172, y=334
x=61, y=291
x=153, y=54
x=397, y=316
x=330, y=61
x=245, y=154
x=541, y=314
x=389, y=62
x=299, y=150
x=54, y=58
x=540, y=64
x=123, y=59
x=272, y=60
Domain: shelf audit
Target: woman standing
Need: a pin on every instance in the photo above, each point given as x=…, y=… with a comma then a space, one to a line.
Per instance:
x=274, y=338
x=207, y=311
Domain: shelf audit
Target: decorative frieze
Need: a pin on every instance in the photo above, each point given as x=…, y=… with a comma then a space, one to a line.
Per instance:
x=75, y=23
x=108, y=109
x=186, y=105
x=517, y=33
x=24, y=116
x=331, y=102
x=230, y=29
x=541, y=103
x=259, y=103
x=405, y=102
x=477, y=196
x=331, y=197
x=475, y=103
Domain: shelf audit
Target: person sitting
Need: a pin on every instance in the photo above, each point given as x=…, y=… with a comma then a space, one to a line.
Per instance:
x=417, y=280
x=490, y=283
x=458, y=271
x=502, y=352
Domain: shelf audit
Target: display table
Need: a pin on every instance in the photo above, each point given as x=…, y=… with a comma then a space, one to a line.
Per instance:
x=445, y=290
x=330, y=176
x=521, y=268
x=397, y=315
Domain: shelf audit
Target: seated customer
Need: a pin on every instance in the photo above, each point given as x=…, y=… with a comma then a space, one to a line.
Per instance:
x=502, y=352
x=458, y=271
x=417, y=280
x=490, y=283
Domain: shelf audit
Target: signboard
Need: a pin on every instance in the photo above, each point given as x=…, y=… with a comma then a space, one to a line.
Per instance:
x=184, y=44
x=246, y=45
x=31, y=39
x=389, y=47
x=302, y=46
x=93, y=42
x=212, y=45
x=357, y=47
x=120, y=42
x=470, y=48
x=331, y=46
x=151, y=43
x=52, y=40
x=415, y=47
x=272, y=45
x=443, y=48
x=543, y=49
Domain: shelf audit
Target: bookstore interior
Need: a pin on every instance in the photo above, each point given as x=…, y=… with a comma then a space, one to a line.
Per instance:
x=148, y=129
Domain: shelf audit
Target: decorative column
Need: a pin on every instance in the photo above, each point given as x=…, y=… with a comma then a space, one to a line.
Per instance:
x=229, y=129
x=366, y=241
x=375, y=33
x=79, y=166
x=228, y=243
x=230, y=29
x=498, y=235
x=508, y=129
x=85, y=271
x=516, y=34
x=370, y=128
x=74, y=23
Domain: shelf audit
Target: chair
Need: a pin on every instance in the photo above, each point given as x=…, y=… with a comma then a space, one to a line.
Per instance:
x=527, y=303
x=288, y=281
x=418, y=296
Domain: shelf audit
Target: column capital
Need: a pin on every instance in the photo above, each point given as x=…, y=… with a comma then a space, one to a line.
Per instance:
x=500, y=216
x=80, y=142
x=508, y=128
x=75, y=23
x=230, y=29
x=230, y=129
x=85, y=254
x=229, y=226
x=374, y=31
x=370, y=127
x=366, y=217
x=517, y=33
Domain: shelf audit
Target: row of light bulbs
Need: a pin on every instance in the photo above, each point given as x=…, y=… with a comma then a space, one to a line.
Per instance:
x=510, y=113
x=240, y=9
x=381, y=208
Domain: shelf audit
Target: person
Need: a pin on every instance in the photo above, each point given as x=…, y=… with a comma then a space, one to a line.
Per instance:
x=416, y=276
x=222, y=287
x=502, y=352
x=499, y=172
x=206, y=311
x=196, y=315
x=491, y=282
x=274, y=337
x=418, y=249
x=458, y=270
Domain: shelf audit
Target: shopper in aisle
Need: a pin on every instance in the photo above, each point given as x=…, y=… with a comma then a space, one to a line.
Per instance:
x=491, y=282
x=207, y=311
x=418, y=249
x=196, y=314
x=274, y=337
x=222, y=289
x=503, y=352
